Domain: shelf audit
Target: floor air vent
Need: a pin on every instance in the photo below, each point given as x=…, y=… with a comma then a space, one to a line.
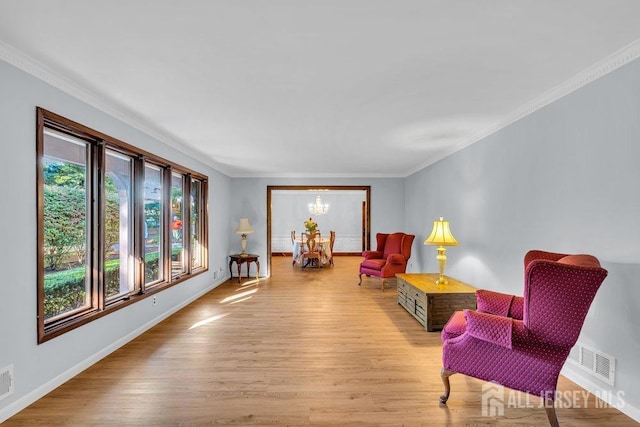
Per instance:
x=597, y=363
x=6, y=382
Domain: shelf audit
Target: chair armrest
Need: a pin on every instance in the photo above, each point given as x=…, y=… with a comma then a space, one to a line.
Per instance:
x=396, y=259
x=517, y=308
x=494, y=302
x=490, y=327
x=372, y=254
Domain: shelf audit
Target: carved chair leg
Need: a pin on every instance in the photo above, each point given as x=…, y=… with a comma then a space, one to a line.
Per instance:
x=445, y=374
x=383, y=280
x=360, y=282
x=550, y=409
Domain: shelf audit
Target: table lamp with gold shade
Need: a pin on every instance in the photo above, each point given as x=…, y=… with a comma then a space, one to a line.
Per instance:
x=441, y=236
x=244, y=228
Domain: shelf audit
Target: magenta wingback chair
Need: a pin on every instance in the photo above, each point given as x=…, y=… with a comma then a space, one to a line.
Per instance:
x=522, y=342
x=390, y=257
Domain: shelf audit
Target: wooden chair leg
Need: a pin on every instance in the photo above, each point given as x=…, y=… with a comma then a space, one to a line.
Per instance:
x=445, y=374
x=360, y=282
x=383, y=280
x=550, y=409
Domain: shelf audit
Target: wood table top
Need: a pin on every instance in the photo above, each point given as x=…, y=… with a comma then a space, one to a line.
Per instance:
x=426, y=282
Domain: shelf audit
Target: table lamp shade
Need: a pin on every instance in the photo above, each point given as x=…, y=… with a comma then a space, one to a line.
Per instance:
x=244, y=228
x=441, y=236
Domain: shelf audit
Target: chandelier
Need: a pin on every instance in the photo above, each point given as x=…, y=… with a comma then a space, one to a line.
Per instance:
x=318, y=208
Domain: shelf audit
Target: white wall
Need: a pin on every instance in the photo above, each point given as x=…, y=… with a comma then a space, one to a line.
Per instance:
x=564, y=179
x=40, y=368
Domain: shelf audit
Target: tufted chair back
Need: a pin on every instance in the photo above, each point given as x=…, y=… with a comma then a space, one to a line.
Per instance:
x=396, y=243
x=557, y=296
x=522, y=342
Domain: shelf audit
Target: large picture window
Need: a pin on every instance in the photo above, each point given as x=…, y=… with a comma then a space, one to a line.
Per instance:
x=113, y=226
x=177, y=225
x=65, y=214
x=118, y=225
x=198, y=253
x=153, y=220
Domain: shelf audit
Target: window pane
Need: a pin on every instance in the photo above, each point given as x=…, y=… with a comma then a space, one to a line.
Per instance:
x=66, y=279
x=106, y=208
x=177, y=226
x=196, y=224
x=118, y=233
x=153, y=232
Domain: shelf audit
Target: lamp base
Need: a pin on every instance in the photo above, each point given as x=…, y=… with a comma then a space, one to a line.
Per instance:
x=243, y=245
x=442, y=261
x=441, y=281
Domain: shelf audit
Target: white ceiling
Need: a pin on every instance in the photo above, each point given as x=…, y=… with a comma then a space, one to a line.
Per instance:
x=322, y=88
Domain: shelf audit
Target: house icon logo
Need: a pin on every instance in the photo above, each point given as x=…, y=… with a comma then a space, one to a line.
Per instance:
x=492, y=400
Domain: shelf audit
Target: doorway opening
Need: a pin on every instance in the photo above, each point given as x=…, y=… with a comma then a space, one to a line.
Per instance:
x=349, y=210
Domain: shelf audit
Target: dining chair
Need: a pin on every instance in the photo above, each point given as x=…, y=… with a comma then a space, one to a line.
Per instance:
x=295, y=248
x=332, y=240
x=311, y=249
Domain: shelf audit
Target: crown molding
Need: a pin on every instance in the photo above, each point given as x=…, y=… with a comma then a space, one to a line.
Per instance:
x=42, y=72
x=599, y=69
x=55, y=79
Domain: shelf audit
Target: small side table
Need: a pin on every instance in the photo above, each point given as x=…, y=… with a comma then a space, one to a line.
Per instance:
x=240, y=259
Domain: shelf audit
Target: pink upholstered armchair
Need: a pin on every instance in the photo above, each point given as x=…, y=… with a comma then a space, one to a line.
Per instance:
x=390, y=257
x=522, y=342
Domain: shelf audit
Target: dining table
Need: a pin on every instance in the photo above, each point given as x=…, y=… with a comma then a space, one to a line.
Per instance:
x=325, y=251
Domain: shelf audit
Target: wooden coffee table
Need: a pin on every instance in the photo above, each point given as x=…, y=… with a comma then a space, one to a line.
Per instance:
x=432, y=304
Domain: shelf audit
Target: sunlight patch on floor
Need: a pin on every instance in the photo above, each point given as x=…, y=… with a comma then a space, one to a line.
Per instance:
x=240, y=300
x=238, y=296
x=209, y=320
x=249, y=283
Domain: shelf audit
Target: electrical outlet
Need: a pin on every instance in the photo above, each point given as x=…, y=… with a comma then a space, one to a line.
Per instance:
x=155, y=300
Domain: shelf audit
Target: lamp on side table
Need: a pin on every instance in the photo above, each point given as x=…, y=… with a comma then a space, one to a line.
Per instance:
x=441, y=236
x=244, y=228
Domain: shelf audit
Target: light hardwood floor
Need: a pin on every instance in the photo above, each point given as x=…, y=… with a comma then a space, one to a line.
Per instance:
x=300, y=348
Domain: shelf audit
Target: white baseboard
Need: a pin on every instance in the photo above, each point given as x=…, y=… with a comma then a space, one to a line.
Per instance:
x=577, y=376
x=29, y=398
